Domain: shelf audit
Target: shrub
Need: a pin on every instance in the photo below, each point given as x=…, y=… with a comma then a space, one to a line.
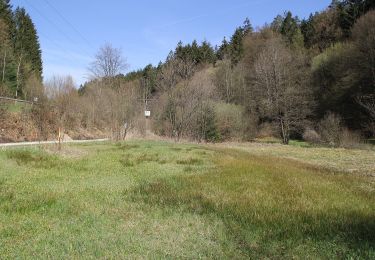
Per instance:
x=330, y=129
x=334, y=134
x=205, y=127
x=267, y=130
x=229, y=121
x=311, y=136
x=350, y=139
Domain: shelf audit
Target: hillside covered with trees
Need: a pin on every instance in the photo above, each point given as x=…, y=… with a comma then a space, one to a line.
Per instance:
x=293, y=78
x=21, y=62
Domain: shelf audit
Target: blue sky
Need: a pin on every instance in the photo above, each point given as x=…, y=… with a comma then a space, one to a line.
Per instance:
x=71, y=32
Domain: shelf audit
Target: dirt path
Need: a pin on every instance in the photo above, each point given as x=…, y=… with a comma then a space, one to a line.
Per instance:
x=50, y=142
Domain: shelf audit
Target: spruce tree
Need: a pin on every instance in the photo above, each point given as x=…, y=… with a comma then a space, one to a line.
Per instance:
x=207, y=52
x=26, y=42
x=290, y=29
x=223, y=50
x=6, y=14
x=236, y=46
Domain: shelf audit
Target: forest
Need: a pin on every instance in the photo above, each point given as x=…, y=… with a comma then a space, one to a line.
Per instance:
x=309, y=79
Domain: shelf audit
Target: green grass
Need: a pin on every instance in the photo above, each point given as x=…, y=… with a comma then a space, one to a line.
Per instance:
x=16, y=107
x=144, y=199
x=299, y=143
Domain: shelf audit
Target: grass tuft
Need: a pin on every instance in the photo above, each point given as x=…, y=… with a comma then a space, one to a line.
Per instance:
x=125, y=146
x=127, y=162
x=190, y=161
x=36, y=158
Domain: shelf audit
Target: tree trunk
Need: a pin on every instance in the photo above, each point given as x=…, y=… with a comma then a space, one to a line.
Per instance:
x=4, y=65
x=284, y=132
x=18, y=76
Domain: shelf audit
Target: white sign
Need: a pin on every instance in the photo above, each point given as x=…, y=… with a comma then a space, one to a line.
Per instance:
x=147, y=113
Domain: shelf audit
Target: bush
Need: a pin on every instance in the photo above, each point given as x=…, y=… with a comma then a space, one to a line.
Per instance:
x=268, y=130
x=332, y=133
x=330, y=129
x=205, y=127
x=229, y=121
x=349, y=139
x=311, y=136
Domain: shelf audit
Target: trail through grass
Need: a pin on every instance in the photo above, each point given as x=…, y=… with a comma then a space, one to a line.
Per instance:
x=165, y=200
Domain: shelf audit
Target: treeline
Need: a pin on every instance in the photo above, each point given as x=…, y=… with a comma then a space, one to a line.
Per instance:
x=20, y=55
x=289, y=78
x=311, y=79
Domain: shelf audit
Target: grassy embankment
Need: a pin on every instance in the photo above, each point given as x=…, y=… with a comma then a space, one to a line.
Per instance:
x=157, y=199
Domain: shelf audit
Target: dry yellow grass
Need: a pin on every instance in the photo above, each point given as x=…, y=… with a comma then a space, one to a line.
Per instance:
x=338, y=159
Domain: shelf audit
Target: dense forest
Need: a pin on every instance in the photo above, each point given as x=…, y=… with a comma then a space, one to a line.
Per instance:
x=311, y=79
x=21, y=62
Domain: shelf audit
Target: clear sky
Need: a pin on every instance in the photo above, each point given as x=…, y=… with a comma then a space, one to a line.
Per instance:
x=71, y=31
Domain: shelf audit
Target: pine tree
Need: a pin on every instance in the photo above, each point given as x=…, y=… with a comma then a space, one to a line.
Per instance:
x=236, y=46
x=277, y=23
x=290, y=29
x=207, y=52
x=26, y=42
x=7, y=75
x=308, y=31
x=247, y=27
x=223, y=50
x=350, y=11
x=195, y=54
x=6, y=14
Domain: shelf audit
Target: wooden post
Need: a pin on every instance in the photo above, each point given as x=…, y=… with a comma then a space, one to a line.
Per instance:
x=59, y=145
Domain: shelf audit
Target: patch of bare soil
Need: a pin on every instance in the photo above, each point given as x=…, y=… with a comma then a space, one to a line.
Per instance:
x=15, y=127
x=86, y=134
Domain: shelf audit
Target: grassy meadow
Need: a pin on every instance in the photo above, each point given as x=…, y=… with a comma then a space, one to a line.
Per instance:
x=153, y=199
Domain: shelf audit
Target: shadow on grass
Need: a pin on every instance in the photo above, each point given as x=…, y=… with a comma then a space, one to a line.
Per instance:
x=125, y=146
x=129, y=161
x=267, y=230
x=37, y=159
x=190, y=161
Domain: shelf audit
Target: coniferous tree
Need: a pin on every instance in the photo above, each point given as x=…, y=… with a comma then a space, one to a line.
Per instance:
x=26, y=41
x=247, y=27
x=6, y=51
x=207, y=52
x=195, y=54
x=350, y=11
x=236, y=42
x=308, y=31
x=6, y=14
x=223, y=50
x=291, y=31
x=236, y=46
x=277, y=23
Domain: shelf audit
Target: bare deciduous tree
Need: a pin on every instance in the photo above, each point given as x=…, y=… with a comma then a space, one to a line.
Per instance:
x=224, y=80
x=282, y=87
x=108, y=62
x=180, y=96
x=124, y=109
x=64, y=97
x=173, y=71
x=33, y=88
